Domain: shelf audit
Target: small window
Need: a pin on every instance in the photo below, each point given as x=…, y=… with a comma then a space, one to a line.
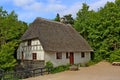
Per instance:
x=34, y=56
x=22, y=56
x=82, y=54
x=59, y=55
x=29, y=42
x=67, y=56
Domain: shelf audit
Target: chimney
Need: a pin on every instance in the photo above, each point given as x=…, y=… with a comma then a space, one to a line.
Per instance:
x=62, y=20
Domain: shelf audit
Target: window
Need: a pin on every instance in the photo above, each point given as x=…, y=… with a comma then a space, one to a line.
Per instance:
x=34, y=56
x=29, y=42
x=82, y=54
x=59, y=55
x=22, y=56
x=67, y=56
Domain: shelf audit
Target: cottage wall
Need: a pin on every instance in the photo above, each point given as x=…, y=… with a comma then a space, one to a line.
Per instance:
x=27, y=51
x=79, y=59
x=51, y=56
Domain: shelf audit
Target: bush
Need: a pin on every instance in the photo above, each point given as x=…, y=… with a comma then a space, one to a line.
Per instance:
x=115, y=56
x=60, y=68
x=90, y=63
x=49, y=64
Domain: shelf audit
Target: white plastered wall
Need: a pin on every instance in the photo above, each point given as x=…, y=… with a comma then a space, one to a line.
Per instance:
x=51, y=56
x=79, y=59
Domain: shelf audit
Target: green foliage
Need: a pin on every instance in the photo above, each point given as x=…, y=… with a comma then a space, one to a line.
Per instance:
x=115, y=56
x=49, y=64
x=90, y=63
x=7, y=61
x=11, y=29
x=60, y=68
x=68, y=19
x=10, y=77
x=57, y=18
x=101, y=29
x=56, y=69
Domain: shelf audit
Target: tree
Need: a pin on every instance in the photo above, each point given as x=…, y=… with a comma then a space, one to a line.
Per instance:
x=68, y=19
x=57, y=18
x=11, y=30
x=110, y=21
x=101, y=29
x=84, y=20
x=7, y=60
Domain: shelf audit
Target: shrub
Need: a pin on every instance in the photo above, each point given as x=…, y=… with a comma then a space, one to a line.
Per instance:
x=60, y=68
x=90, y=63
x=49, y=64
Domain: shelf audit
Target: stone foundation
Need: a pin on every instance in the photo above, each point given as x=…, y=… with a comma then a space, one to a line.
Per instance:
x=31, y=64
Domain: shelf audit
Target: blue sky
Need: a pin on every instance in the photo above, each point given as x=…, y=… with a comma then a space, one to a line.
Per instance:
x=28, y=10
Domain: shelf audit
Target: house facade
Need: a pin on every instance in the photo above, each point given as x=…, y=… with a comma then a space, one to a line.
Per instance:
x=52, y=41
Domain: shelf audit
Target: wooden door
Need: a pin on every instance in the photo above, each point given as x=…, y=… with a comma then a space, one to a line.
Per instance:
x=71, y=58
x=34, y=56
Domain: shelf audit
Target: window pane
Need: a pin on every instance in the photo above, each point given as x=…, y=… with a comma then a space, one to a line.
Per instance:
x=29, y=42
x=58, y=55
x=22, y=55
x=82, y=54
x=67, y=56
x=34, y=55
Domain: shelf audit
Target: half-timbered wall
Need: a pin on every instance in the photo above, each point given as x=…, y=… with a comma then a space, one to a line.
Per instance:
x=28, y=50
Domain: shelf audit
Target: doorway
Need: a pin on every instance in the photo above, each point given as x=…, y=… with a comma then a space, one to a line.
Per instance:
x=71, y=58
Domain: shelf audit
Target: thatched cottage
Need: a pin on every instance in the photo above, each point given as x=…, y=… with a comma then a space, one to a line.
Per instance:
x=53, y=41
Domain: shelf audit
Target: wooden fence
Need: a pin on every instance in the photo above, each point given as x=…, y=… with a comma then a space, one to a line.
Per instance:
x=16, y=75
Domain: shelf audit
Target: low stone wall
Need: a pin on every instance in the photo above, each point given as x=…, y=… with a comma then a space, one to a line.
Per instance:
x=32, y=64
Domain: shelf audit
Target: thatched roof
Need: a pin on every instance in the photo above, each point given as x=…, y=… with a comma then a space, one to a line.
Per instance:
x=56, y=36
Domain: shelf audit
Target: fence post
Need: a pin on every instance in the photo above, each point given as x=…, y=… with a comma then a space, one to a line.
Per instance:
x=33, y=73
x=1, y=74
x=41, y=71
x=48, y=70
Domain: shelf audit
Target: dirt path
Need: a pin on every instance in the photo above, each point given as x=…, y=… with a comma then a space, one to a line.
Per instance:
x=100, y=71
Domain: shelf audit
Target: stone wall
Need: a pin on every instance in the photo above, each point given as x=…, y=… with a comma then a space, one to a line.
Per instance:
x=31, y=64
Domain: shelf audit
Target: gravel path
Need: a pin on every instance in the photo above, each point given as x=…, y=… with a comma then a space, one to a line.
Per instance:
x=100, y=71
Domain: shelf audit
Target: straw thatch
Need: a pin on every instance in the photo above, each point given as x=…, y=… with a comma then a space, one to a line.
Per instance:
x=56, y=36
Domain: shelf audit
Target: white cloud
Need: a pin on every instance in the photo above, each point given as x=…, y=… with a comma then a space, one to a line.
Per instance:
x=54, y=1
x=35, y=8
x=29, y=5
x=55, y=7
x=21, y=3
x=99, y=3
x=27, y=16
x=34, y=5
x=73, y=9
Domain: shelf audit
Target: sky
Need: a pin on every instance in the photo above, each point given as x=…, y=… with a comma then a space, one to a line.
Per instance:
x=28, y=10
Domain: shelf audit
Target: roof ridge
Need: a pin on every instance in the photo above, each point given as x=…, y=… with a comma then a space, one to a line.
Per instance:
x=51, y=21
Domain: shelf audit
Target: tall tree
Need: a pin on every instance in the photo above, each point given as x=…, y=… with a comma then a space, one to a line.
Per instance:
x=84, y=20
x=68, y=19
x=11, y=30
x=7, y=60
x=110, y=22
x=101, y=29
x=57, y=18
